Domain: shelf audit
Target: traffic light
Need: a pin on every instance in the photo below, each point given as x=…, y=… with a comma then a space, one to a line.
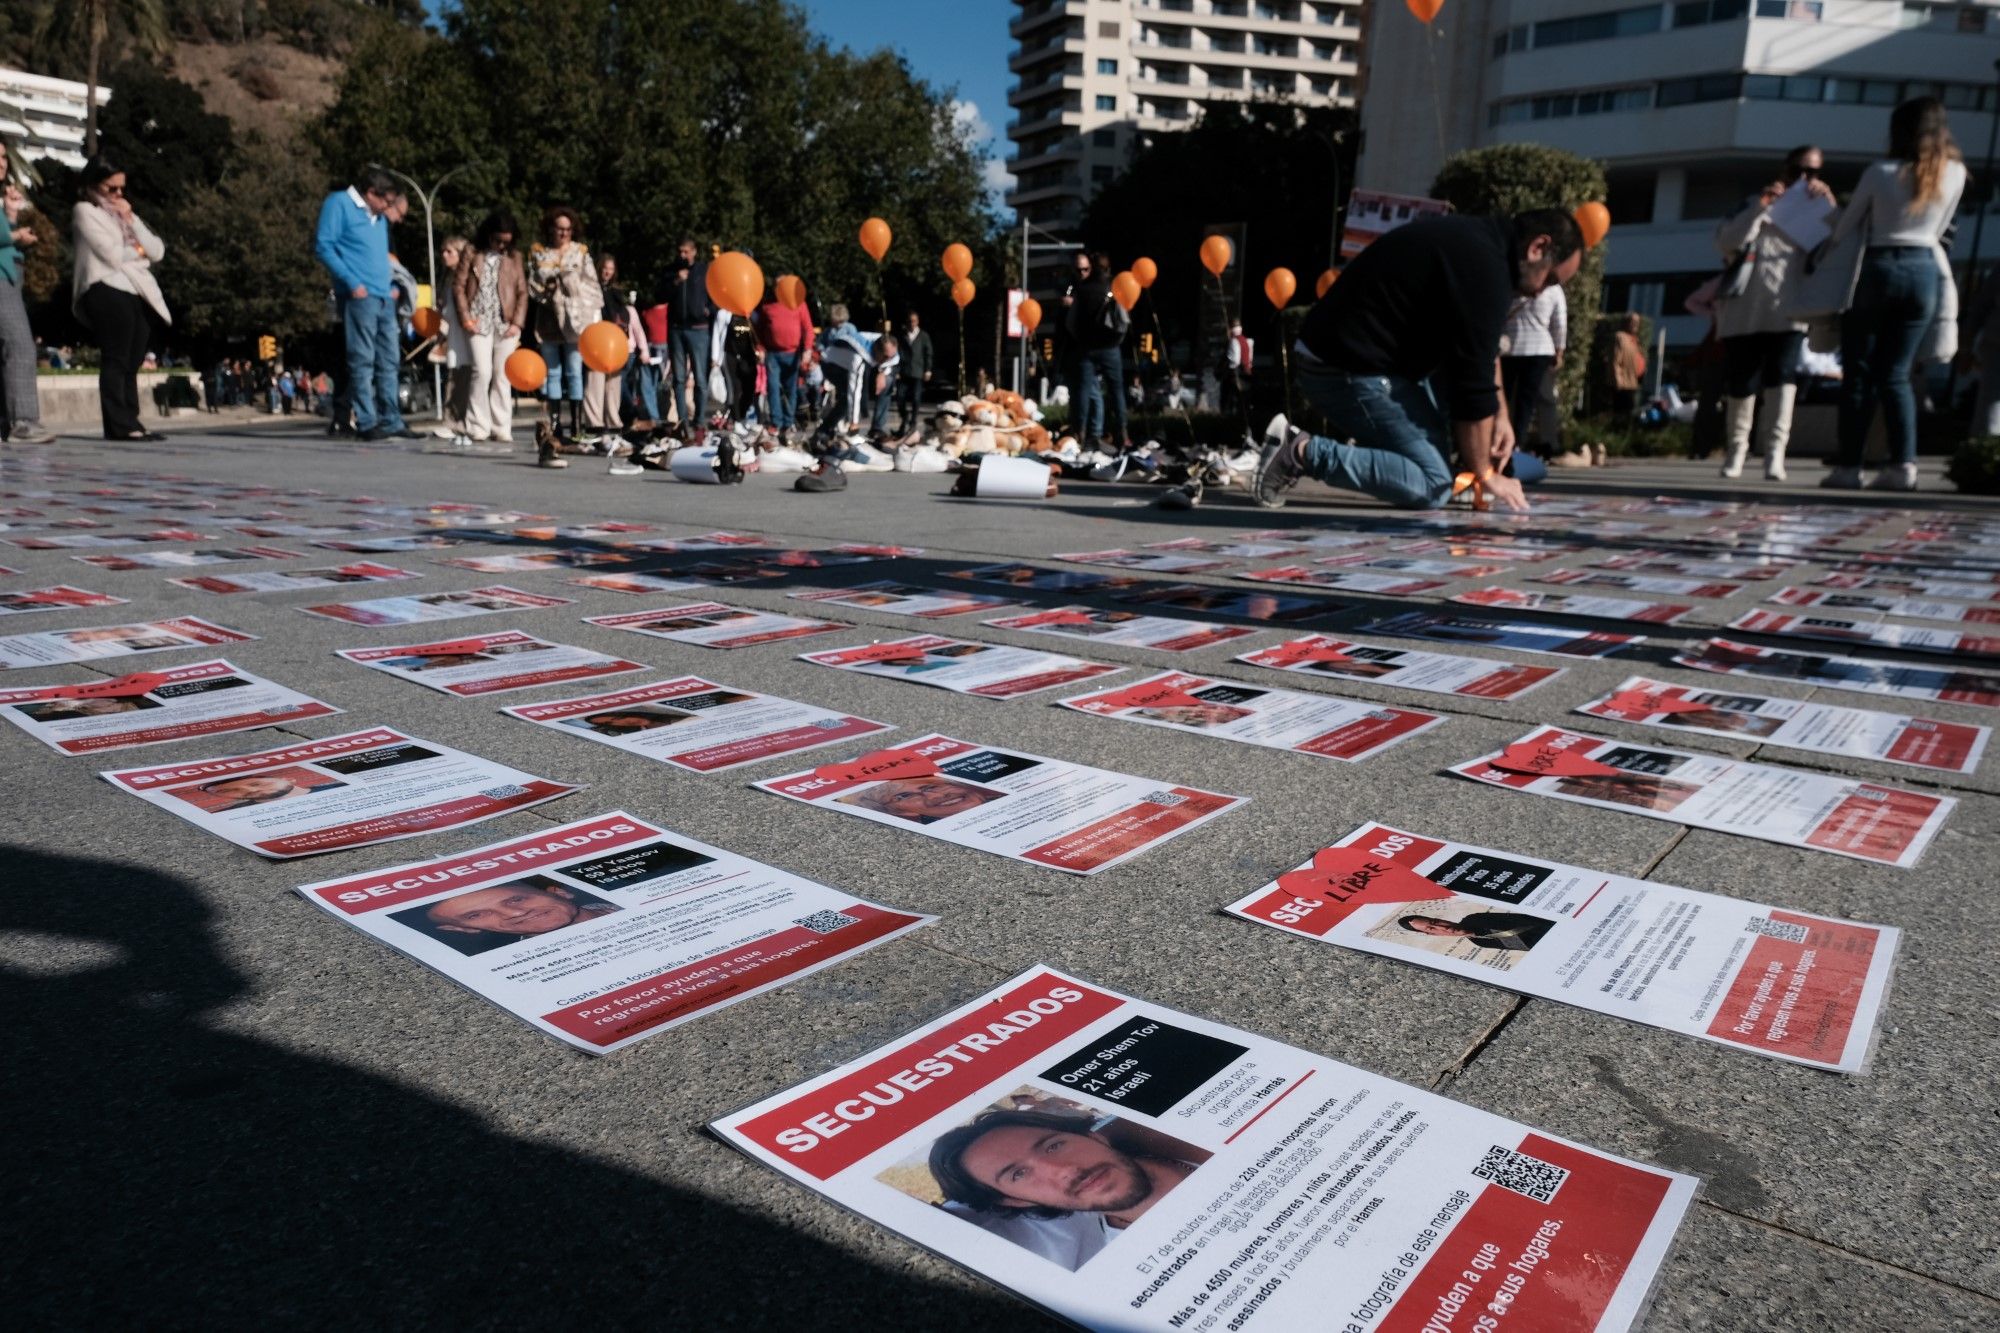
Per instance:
x=267, y=348
x=1048, y=351
x=1146, y=347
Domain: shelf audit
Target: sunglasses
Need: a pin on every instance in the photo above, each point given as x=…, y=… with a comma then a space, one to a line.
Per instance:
x=112, y=189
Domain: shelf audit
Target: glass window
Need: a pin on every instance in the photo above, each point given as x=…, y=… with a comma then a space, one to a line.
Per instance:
x=1804, y=88
x=1881, y=92
x=1107, y=102
x=1107, y=67
x=1761, y=87
x=1960, y=96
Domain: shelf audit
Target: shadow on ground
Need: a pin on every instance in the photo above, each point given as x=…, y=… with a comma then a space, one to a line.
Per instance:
x=165, y=1174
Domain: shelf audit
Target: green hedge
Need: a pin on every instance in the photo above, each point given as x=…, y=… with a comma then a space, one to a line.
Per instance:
x=1975, y=466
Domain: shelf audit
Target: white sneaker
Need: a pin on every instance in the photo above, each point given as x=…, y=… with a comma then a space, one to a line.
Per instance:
x=1895, y=477
x=623, y=469
x=1775, y=472
x=868, y=459
x=1243, y=460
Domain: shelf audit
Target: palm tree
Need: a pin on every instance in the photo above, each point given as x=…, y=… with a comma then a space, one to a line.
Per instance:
x=73, y=28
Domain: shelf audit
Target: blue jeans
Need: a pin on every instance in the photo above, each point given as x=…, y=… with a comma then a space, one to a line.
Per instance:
x=565, y=363
x=690, y=362
x=1103, y=374
x=879, y=402
x=1528, y=469
x=373, y=354
x=781, y=386
x=1895, y=301
x=1399, y=441
x=648, y=381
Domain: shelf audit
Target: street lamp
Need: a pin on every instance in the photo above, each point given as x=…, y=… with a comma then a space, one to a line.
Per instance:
x=1333, y=141
x=427, y=197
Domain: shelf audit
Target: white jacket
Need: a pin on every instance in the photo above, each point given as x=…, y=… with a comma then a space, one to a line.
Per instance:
x=102, y=255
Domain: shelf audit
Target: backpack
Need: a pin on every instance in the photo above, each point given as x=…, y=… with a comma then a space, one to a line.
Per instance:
x=1114, y=319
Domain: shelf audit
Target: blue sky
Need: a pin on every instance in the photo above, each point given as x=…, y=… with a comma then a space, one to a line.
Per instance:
x=961, y=44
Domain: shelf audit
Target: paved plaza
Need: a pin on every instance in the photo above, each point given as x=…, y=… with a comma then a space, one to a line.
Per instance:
x=228, y=1110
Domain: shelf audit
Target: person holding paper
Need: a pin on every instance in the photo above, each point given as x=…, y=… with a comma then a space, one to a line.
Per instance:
x=1760, y=344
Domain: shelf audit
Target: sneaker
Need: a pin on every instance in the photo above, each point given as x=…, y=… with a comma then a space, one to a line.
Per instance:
x=444, y=433
x=618, y=448
x=1895, y=477
x=1842, y=479
x=1181, y=497
x=726, y=469
x=1278, y=466
x=29, y=433
x=404, y=434
x=826, y=477
x=623, y=469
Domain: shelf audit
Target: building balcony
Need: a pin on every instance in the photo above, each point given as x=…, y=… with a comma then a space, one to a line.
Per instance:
x=1048, y=118
x=1038, y=14
x=1024, y=93
x=1071, y=151
x=1069, y=187
x=1247, y=25
x=1054, y=48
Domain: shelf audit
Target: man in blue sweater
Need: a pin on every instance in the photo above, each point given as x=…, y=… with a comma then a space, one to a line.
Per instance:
x=353, y=243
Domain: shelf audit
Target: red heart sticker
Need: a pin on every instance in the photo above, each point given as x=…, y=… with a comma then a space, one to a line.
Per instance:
x=1543, y=760
x=1349, y=878
x=1645, y=703
x=880, y=652
x=1302, y=651
x=1150, y=694
x=1052, y=618
x=878, y=766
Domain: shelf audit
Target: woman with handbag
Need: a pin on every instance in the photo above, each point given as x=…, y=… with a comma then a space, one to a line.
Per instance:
x=116, y=294
x=568, y=300
x=1903, y=291
x=1761, y=342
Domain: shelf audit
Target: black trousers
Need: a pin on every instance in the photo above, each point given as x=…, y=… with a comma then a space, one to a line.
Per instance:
x=124, y=327
x=1521, y=377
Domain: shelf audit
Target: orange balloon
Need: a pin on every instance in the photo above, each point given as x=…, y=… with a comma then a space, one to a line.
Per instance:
x=525, y=370
x=1595, y=221
x=1216, y=252
x=791, y=291
x=1425, y=10
x=1146, y=271
x=1326, y=280
x=1030, y=312
x=875, y=238
x=1125, y=290
x=962, y=293
x=426, y=322
x=1279, y=284
x=957, y=262
x=735, y=283
x=605, y=347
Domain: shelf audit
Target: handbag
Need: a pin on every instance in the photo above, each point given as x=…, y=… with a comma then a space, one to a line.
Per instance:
x=1831, y=272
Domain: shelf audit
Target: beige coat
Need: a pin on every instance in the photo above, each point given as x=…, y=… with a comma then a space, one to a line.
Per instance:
x=513, y=289
x=564, y=285
x=103, y=255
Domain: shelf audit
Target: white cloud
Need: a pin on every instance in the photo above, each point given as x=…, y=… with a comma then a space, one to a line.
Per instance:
x=978, y=137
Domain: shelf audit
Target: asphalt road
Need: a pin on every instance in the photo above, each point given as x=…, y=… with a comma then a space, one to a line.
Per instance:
x=226, y=1110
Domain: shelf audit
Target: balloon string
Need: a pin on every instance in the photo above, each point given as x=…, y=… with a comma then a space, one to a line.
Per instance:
x=1437, y=103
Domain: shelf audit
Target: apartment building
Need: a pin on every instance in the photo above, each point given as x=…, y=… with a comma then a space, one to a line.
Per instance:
x=1690, y=105
x=1095, y=77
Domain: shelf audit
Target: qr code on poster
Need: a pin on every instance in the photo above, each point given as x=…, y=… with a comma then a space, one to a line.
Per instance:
x=502, y=793
x=825, y=923
x=1777, y=930
x=1162, y=798
x=830, y=723
x=1521, y=1173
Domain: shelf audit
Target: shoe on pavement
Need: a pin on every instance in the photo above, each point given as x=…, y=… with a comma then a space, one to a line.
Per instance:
x=619, y=469
x=826, y=477
x=1278, y=466
x=404, y=434
x=1843, y=479
x=28, y=433
x=444, y=433
x=548, y=451
x=1895, y=477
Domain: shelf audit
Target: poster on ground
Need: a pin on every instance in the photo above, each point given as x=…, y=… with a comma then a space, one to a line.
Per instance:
x=1125, y=1167
x=1025, y=807
x=1154, y=562
x=60, y=597
x=1839, y=629
x=55, y=647
x=222, y=555
x=905, y=599
x=517, y=562
x=336, y=794
x=286, y=580
x=1203, y=600
x=1854, y=733
x=713, y=625
x=1597, y=608
x=153, y=707
x=1654, y=583
x=1405, y=668
x=1047, y=580
x=697, y=724
x=1527, y=635
x=1909, y=680
x=1912, y=608
x=989, y=670
x=1127, y=629
x=490, y=663
x=1823, y=811
x=605, y=931
x=435, y=606
x=1759, y=978
x=67, y=541
x=1952, y=589
x=1316, y=724
x=637, y=585
x=1663, y=562
x=1347, y=580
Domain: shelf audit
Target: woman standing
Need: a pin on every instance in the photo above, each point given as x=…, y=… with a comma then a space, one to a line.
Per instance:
x=1902, y=207
x=457, y=353
x=603, y=394
x=116, y=294
x=563, y=282
x=1628, y=369
x=23, y=416
x=490, y=298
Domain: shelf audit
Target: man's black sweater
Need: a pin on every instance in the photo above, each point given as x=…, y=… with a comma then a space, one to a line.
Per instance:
x=1429, y=298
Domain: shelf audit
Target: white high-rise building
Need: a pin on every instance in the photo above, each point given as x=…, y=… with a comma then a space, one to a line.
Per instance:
x=44, y=117
x=1691, y=105
x=1097, y=76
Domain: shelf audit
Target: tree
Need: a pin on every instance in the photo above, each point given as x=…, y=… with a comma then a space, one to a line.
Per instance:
x=86, y=28
x=1513, y=178
x=242, y=264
